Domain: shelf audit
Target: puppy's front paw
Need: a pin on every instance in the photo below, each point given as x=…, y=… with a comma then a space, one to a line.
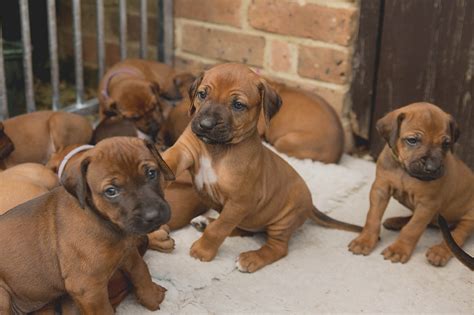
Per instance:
x=200, y=223
x=438, y=255
x=151, y=297
x=250, y=261
x=203, y=250
x=398, y=252
x=160, y=240
x=363, y=244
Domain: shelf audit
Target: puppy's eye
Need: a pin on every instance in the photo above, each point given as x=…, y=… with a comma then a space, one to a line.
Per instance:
x=238, y=106
x=411, y=141
x=111, y=192
x=446, y=144
x=202, y=95
x=151, y=174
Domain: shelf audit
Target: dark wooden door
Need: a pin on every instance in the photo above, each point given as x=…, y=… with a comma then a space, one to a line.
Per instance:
x=424, y=52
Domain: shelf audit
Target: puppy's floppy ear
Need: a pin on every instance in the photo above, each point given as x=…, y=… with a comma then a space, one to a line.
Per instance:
x=181, y=79
x=155, y=88
x=270, y=100
x=75, y=182
x=453, y=131
x=193, y=91
x=111, y=108
x=389, y=127
x=167, y=172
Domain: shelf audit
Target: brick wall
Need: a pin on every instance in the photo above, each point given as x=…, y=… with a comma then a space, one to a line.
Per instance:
x=305, y=43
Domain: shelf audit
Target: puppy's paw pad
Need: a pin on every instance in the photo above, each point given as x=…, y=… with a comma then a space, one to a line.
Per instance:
x=160, y=240
x=200, y=223
x=363, y=244
x=438, y=255
x=151, y=297
x=250, y=262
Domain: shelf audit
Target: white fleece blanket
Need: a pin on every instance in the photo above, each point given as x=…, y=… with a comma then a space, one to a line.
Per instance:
x=319, y=275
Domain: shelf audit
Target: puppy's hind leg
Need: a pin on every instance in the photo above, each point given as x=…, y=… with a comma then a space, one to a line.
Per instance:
x=5, y=302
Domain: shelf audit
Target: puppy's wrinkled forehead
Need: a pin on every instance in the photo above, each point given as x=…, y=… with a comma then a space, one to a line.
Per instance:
x=232, y=78
x=426, y=119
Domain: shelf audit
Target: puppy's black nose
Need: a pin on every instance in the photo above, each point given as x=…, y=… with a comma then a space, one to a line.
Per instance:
x=431, y=165
x=208, y=123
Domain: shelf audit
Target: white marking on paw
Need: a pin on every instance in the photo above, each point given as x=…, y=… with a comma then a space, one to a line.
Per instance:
x=239, y=266
x=206, y=174
x=143, y=136
x=200, y=222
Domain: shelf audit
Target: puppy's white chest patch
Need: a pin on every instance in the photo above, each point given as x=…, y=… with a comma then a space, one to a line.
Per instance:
x=206, y=174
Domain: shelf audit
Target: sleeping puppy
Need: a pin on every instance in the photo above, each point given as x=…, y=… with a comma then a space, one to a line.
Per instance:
x=418, y=168
x=35, y=136
x=86, y=230
x=133, y=89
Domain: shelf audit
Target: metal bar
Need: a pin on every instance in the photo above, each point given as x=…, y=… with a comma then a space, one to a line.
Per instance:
x=76, y=13
x=143, y=29
x=123, y=28
x=165, y=31
x=53, y=52
x=3, y=87
x=88, y=107
x=27, y=65
x=100, y=39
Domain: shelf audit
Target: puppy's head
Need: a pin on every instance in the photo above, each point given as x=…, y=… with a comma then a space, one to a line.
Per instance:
x=120, y=179
x=137, y=101
x=6, y=144
x=420, y=136
x=226, y=102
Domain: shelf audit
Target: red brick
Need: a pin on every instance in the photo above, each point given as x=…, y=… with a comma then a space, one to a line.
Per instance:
x=183, y=64
x=323, y=64
x=223, y=45
x=333, y=25
x=281, y=56
x=215, y=11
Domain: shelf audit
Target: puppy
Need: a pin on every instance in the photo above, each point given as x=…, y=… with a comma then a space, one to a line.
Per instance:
x=35, y=136
x=133, y=88
x=251, y=187
x=85, y=231
x=418, y=168
x=305, y=127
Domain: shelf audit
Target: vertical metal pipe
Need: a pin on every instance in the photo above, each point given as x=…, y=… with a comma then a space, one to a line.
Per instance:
x=27, y=65
x=100, y=39
x=143, y=29
x=53, y=52
x=123, y=28
x=3, y=86
x=76, y=13
x=165, y=31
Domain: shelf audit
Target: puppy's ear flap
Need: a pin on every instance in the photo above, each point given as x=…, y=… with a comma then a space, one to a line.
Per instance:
x=155, y=88
x=167, y=172
x=75, y=182
x=111, y=108
x=182, y=79
x=270, y=100
x=193, y=91
x=389, y=127
x=453, y=130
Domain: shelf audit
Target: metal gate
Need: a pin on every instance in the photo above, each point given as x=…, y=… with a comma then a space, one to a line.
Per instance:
x=82, y=105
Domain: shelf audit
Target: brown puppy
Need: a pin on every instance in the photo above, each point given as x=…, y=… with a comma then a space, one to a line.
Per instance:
x=133, y=89
x=80, y=234
x=305, y=127
x=253, y=188
x=36, y=136
x=418, y=168
x=24, y=182
x=6, y=145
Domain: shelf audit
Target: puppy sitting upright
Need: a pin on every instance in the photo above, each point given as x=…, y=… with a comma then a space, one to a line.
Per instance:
x=72, y=239
x=252, y=187
x=418, y=168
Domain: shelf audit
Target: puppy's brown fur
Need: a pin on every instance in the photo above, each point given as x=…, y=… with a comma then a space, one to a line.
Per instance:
x=253, y=188
x=418, y=168
x=133, y=88
x=36, y=136
x=80, y=234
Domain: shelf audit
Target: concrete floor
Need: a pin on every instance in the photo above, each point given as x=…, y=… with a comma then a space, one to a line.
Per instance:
x=319, y=275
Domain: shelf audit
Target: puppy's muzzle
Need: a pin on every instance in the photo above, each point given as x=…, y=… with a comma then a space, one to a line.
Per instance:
x=426, y=169
x=151, y=217
x=211, y=130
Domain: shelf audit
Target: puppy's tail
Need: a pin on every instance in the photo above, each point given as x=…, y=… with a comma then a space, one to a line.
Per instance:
x=326, y=221
x=457, y=251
